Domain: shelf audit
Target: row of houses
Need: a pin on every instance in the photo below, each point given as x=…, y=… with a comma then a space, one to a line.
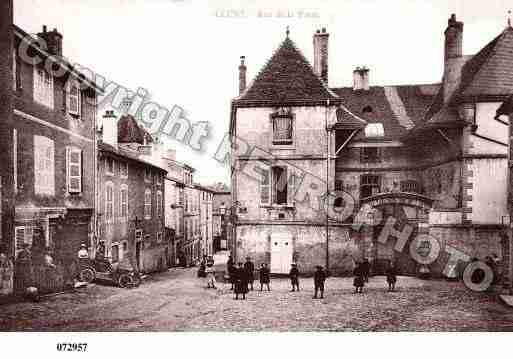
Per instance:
x=71, y=177
x=418, y=158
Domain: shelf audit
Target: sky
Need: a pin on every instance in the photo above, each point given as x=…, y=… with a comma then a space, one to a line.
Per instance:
x=187, y=52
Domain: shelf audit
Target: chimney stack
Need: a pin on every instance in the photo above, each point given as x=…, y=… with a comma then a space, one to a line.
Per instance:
x=53, y=41
x=110, y=128
x=453, y=56
x=320, y=43
x=242, y=75
x=361, y=79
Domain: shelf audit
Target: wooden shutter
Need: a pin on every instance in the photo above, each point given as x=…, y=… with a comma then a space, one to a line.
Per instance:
x=291, y=185
x=74, y=169
x=265, y=186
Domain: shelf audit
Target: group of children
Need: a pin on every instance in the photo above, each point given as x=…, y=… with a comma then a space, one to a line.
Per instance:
x=242, y=277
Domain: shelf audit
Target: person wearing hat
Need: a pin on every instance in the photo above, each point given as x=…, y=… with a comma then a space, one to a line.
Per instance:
x=82, y=252
x=265, y=277
x=249, y=267
x=319, y=279
x=294, y=277
x=241, y=286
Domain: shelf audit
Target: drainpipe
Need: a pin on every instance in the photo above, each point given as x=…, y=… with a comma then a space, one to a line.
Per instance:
x=328, y=140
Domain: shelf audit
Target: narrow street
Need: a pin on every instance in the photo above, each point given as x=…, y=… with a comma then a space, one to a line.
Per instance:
x=176, y=301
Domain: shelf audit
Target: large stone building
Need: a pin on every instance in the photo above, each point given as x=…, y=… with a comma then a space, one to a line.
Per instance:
x=425, y=159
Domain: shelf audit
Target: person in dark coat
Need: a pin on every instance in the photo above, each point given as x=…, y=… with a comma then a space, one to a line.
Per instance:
x=249, y=267
x=241, y=285
x=265, y=276
x=294, y=277
x=319, y=279
x=230, y=268
x=391, y=273
x=23, y=270
x=358, y=281
x=366, y=270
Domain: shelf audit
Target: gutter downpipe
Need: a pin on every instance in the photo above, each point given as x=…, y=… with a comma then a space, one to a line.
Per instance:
x=328, y=140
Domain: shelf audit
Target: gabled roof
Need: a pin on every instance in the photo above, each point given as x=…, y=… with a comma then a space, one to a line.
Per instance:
x=490, y=71
x=398, y=108
x=129, y=131
x=286, y=78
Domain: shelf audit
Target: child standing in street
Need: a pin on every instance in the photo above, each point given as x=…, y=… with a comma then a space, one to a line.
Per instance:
x=211, y=278
x=319, y=279
x=294, y=277
x=358, y=281
x=264, y=277
x=391, y=276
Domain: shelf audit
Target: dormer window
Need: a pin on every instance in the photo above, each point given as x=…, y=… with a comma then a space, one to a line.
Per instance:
x=367, y=109
x=282, y=124
x=73, y=100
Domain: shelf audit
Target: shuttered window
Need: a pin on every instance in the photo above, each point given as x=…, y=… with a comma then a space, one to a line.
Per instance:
x=109, y=202
x=265, y=186
x=282, y=129
x=74, y=169
x=43, y=87
x=23, y=235
x=123, y=202
x=147, y=204
x=73, y=100
x=44, y=167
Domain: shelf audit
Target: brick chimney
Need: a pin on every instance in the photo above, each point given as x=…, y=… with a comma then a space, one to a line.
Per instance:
x=320, y=43
x=242, y=75
x=361, y=79
x=110, y=128
x=453, y=56
x=53, y=40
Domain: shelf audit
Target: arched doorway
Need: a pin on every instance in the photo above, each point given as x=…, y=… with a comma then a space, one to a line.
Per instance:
x=404, y=209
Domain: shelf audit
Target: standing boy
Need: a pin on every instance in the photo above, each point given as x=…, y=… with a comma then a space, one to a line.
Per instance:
x=294, y=277
x=249, y=267
x=319, y=279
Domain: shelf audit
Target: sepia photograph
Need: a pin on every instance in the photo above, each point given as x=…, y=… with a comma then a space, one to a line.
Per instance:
x=233, y=167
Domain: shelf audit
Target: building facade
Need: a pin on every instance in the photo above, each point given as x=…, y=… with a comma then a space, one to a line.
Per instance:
x=51, y=139
x=310, y=161
x=221, y=217
x=206, y=196
x=131, y=193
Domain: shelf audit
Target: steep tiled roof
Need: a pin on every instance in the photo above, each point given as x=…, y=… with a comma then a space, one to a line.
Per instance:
x=398, y=108
x=490, y=71
x=287, y=77
x=129, y=131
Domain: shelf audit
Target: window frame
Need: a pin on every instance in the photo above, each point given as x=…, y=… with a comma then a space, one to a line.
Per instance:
x=147, y=175
x=159, y=237
x=369, y=184
x=147, y=205
x=109, y=203
x=112, y=259
x=107, y=170
x=43, y=88
x=366, y=158
x=279, y=141
x=44, y=166
x=123, y=205
x=123, y=165
x=70, y=85
x=70, y=150
x=28, y=237
x=159, y=200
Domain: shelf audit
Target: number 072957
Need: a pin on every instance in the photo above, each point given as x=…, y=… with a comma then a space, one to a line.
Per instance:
x=71, y=347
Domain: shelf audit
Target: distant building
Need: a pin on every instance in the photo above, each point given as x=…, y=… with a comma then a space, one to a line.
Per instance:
x=131, y=192
x=222, y=205
x=206, y=197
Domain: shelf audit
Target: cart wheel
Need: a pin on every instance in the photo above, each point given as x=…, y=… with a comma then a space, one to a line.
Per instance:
x=125, y=281
x=87, y=275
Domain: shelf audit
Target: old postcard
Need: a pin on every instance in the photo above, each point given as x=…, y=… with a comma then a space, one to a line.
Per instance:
x=242, y=166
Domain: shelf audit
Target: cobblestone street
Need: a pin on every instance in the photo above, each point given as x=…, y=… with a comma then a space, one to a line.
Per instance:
x=176, y=301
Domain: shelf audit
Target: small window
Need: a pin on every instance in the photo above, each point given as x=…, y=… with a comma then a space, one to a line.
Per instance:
x=43, y=87
x=147, y=175
x=123, y=202
x=159, y=237
x=123, y=169
x=73, y=100
x=147, y=204
x=410, y=186
x=23, y=236
x=138, y=235
x=109, y=201
x=74, y=169
x=339, y=185
x=370, y=154
x=282, y=129
x=367, y=109
x=115, y=253
x=369, y=185
x=109, y=166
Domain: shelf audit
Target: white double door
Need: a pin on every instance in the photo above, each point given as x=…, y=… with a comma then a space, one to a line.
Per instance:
x=281, y=252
